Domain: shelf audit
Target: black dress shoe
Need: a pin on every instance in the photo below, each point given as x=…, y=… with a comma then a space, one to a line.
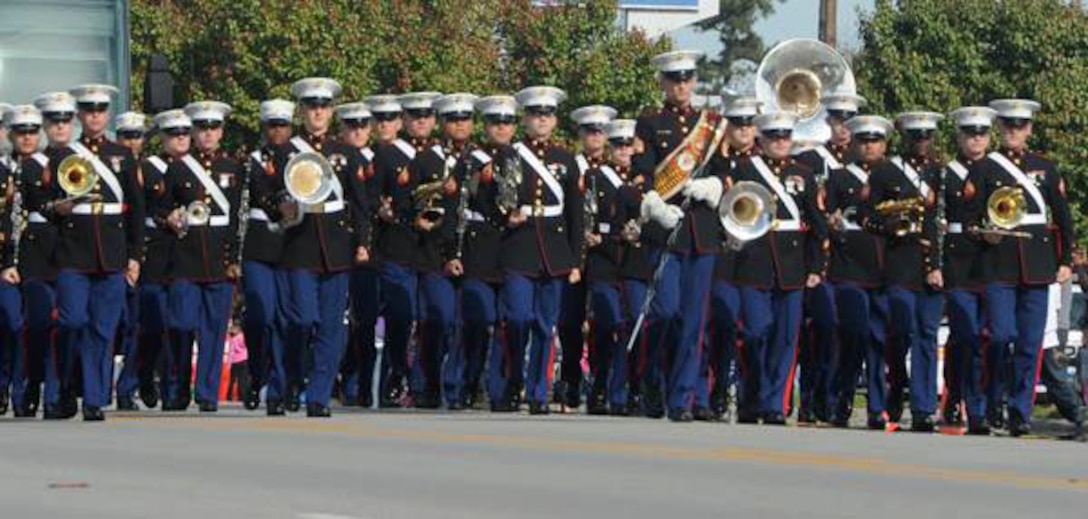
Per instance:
x=634, y=404
x=598, y=404
x=350, y=401
x=209, y=407
x=1018, y=426
x=149, y=395
x=54, y=412
x=841, y=422
x=22, y=411
x=539, y=408
x=456, y=405
x=618, y=410
x=895, y=413
x=176, y=405
x=924, y=424
x=252, y=399
x=314, y=410
x=806, y=416
x=93, y=414
x=996, y=419
x=774, y=419
x=428, y=400
x=681, y=415
x=275, y=408
x=125, y=403
x=877, y=422
x=977, y=427
x=952, y=416
x=503, y=406
x=4, y=402
x=703, y=414
x=747, y=417
x=32, y=399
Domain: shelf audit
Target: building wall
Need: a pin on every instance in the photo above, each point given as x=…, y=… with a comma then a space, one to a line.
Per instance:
x=657, y=17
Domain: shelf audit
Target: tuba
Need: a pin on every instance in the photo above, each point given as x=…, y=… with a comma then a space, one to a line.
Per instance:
x=76, y=176
x=794, y=76
x=747, y=212
x=308, y=178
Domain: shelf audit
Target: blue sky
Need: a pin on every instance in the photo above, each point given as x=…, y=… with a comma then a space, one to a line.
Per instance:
x=791, y=19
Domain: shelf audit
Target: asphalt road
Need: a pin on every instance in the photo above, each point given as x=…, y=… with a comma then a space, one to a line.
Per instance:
x=479, y=465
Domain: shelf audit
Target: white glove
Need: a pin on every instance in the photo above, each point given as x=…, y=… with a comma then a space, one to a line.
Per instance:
x=707, y=190
x=654, y=208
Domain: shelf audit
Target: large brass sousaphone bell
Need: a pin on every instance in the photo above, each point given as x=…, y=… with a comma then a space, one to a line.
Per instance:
x=747, y=212
x=308, y=178
x=794, y=76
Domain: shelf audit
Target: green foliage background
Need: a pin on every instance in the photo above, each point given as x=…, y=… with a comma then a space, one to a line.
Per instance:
x=940, y=55
x=244, y=51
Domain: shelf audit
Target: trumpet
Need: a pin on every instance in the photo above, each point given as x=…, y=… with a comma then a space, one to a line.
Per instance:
x=906, y=215
x=747, y=212
x=1005, y=210
x=197, y=213
x=428, y=200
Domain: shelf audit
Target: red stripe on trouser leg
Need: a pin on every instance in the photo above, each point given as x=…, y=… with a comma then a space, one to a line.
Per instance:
x=787, y=398
x=1038, y=371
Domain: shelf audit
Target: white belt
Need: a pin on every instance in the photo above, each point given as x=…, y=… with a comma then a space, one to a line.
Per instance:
x=955, y=228
x=847, y=225
x=324, y=208
x=472, y=216
x=788, y=225
x=214, y=221
x=103, y=208
x=548, y=211
x=1034, y=219
x=36, y=217
x=258, y=214
x=150, y=223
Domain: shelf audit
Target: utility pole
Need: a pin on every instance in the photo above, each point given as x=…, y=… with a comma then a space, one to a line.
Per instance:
x=829, y=28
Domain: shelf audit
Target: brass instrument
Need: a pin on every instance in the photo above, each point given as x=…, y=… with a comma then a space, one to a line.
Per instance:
x=1005, y=210
x=747, y=212
x=76, y=176
x=308, y=178
x=428, y=200
x=902, y=217
x=197, y=213
x=794, y=76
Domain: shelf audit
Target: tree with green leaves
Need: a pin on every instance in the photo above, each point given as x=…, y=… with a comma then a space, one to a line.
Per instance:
x=734, y=25
x=939, y=55
x=244, y=51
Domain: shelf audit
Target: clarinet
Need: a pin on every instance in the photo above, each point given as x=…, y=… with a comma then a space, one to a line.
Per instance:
x=942, y=223
x=243, y=219
x=462, y=205
x=17, y=220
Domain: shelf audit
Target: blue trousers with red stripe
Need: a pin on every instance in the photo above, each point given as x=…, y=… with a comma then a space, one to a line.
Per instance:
x=716, y=366
x=965, y=331
x=316, y=324
x=89, y=308
x=357, y=375
x=634, y=294
x=531, y=308
x=40, y=298
x=915, y=317
x=263, y=323
x=819, y=349
x=479, y=313
x=862, y=316
x=440, y=338
x=399, y=286
x=12, y=349
x=678, y=322
x=129, y=338
x=1017, y=317
x=607, y=356
x=199, y=313
x=772, y=322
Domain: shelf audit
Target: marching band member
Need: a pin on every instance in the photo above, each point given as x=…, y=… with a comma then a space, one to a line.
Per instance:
x=262, y=248
x=961, y=270
x=912, y=274
x=131, y=128
x=712, y=393
x=773, y=270
x=200, y=204
x=818, y=335
x=543, y=244
x=357, y=374
x=572, y=314
x=99, y=248
x=678, y=315
x=1018, y=270
x=24, y=125
x=856, y=271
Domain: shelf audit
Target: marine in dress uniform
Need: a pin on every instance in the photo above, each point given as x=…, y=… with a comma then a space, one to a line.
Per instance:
x=542, y=244
x=961, y=272
x=1017, y=270
x=482, y=279
x=716, y=364
x=856, y=270
x=263, y=322
x=678, y=316
x=398, y=237
x=99, y=249
x=321, y=250
x=572, y=315
x=357, y=374
x=773, y=270
x=611, y=228
x=912, y=274
x=819, y=336
x=39, y=272
x=203, y=263
x=24, y=123
x=131, y=128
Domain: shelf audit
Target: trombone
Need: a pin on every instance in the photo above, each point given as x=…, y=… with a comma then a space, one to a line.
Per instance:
x=1005, y=210
x=77, y=178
